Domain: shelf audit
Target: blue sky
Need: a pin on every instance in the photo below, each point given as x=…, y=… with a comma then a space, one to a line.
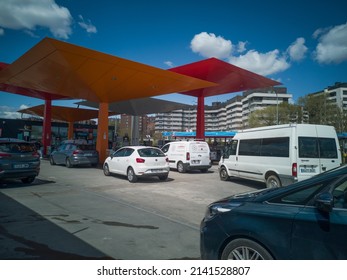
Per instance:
x=302, y=44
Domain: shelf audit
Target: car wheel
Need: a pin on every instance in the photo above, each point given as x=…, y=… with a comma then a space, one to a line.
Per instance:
x=245, y=249
x=163, y=177
x=106, y=170
x=28, y=180
x=180, y=167
x=51, y=160
x=273, y=182
x=132, y=178
x=68, y=163
x=223, y=174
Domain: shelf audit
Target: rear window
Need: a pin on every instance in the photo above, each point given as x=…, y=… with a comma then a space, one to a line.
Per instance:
x=86, y=147
x=16, y=147
x=150, y=152
x=313, y=147
x=199, y=147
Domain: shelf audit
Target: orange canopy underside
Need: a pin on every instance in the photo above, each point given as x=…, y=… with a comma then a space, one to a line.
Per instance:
x=66, y=114
x=63, y=69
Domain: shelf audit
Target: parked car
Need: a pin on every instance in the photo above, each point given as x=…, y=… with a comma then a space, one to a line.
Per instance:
x=305, y=220
x=18, y=159
x=188, y=155
x=137, y=161
x=75, y=153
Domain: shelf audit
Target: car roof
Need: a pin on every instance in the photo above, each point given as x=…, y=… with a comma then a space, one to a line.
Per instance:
x=139, y=147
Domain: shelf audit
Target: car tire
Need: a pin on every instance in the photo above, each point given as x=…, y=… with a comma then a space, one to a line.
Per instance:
x=132, y=178
x=245, y=249
x=106, y=170
x=273, y=182
x=28, y=180
x=68, y=163
x=51, y=160
x=223, y=174
x=163, y=177
x=180, y=167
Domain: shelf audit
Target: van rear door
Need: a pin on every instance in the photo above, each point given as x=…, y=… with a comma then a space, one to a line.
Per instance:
x=329, y=149
x=317, y=151
x=199, y=153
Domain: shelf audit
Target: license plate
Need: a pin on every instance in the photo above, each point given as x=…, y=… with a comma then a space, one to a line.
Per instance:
x=307, y=170
x=195, y=161
x=157, y=170
x=23, y=165
x=87, y=155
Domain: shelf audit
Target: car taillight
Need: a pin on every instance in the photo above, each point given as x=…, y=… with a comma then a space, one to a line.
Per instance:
x=188, y=156
x=36, y=154
x=75, y=152
x=140, y=160
x=4, y=155
x=294, y=170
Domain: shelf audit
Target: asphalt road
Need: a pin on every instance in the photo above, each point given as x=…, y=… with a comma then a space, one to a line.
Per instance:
x=78, y=213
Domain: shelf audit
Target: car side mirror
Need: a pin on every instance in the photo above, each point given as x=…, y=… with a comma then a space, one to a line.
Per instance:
x=324, y=202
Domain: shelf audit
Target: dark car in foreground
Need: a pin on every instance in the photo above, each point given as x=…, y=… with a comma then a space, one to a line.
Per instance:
x=74, y=153
x=18, y=160
x=306, y=220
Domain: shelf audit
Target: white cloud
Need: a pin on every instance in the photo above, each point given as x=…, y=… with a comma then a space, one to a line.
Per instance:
x=23, y=106
x=332, y=46
x=209, y=45
x=169, y=63
x=89, y=27
x=262, y=63
x=297, y=50
x=30, y=14
x=241, y=47
x=7, y=112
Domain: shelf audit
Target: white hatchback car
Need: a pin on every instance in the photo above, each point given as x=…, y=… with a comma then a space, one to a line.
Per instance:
x=137, y=161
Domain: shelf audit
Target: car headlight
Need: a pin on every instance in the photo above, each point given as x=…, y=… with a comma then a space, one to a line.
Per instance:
x=216, y=209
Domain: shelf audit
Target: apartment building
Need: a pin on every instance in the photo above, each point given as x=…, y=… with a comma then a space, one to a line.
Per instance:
x=336, y=94
x=223, y=116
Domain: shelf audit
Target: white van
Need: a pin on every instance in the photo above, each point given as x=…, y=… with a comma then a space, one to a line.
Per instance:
x=188, y=155
x=282, y=154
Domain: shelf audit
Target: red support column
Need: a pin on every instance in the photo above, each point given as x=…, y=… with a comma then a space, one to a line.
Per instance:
x=70, y=131
x=102, y=137
x=46, y=131
x=200, y=118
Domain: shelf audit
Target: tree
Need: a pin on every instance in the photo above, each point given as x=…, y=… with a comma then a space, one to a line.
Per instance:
x=321, y=110
x=287, y=113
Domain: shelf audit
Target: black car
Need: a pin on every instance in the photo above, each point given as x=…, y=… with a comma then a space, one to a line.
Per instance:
x=306, y=220
x=18, y=160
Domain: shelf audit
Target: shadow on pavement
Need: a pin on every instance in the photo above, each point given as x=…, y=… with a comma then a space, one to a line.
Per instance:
x=24, y=234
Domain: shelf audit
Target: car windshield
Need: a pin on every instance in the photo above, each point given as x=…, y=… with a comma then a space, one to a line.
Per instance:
x=150, y=152
x=16, y=147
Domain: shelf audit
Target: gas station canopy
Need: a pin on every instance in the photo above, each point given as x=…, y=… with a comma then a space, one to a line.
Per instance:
x=66, y=114
x=228, y=78
x=65, y=69
x=139, y=106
